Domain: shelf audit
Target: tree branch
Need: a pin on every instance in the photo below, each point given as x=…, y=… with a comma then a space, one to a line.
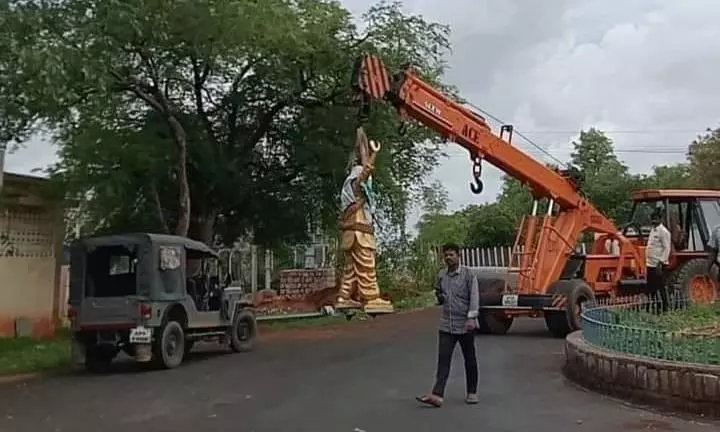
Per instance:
x=142, y=90
x=266, y=119
x=357, y=42
x=265, y=122
x=158, y=207
x=234, y=101
x=310, y=103
x=200, y=75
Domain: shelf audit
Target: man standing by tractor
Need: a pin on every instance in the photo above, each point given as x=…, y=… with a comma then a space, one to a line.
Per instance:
x=457, y=291
x=714, y=250
x=657, y=255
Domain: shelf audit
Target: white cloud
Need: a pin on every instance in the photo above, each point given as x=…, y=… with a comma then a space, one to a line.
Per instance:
x=563, y=65
x=642, y=66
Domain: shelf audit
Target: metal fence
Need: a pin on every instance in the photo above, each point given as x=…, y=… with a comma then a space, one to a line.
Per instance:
x=492, y=257
x=638, y=326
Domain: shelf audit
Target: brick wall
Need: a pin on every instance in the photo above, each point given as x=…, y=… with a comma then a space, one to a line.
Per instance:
x=680, y=386
x=298, y=283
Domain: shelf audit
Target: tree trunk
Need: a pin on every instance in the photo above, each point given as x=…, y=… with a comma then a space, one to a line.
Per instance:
x=202, y=227
x=183, y=221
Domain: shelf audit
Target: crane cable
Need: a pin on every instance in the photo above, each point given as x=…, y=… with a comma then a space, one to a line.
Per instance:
x=518, y=133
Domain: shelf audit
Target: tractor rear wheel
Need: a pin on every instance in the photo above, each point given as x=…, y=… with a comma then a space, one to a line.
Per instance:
x=576, y=293
x=691, y=284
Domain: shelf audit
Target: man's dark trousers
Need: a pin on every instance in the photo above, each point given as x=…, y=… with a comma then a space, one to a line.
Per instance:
x=446, y=347
x=656, y=285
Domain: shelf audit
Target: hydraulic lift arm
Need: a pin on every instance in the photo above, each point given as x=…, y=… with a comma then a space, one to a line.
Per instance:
x=559, y=232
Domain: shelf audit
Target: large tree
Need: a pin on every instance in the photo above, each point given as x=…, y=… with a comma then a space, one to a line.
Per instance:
x=607, y=180
x=704, y=160
x=213, y=114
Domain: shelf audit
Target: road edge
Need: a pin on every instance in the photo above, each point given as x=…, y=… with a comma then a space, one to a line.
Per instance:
x=688, y=388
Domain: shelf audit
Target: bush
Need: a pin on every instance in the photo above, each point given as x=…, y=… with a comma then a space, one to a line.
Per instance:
x=406, y=274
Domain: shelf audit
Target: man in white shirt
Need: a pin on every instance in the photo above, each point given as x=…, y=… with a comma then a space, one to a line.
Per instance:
x=657, y=255
x=714, y=250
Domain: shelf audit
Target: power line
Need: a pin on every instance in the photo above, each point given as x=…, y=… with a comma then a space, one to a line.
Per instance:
x=621, y=131
x=518, y=133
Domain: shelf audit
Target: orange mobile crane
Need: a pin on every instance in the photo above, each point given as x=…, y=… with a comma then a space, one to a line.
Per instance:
x=553, y=280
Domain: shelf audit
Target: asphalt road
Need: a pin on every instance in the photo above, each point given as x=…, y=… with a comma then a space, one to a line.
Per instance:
x=354, y=378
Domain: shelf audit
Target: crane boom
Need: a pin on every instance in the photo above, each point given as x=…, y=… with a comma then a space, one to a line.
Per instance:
x=551, y=239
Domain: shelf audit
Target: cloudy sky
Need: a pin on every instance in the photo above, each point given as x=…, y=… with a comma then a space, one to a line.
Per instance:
x=644, y=70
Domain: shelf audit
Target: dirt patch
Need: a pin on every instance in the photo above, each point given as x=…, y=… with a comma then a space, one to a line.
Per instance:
x=13, y=379
x=391, y=323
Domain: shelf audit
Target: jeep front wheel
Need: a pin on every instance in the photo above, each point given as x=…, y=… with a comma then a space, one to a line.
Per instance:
x=243, y=331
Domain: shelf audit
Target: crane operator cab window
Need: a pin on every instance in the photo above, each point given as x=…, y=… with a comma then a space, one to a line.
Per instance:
x=640, y=224
x=688, y=220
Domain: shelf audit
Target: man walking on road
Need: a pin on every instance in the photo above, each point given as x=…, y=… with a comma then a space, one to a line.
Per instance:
x=457, y=291
x=657, y=255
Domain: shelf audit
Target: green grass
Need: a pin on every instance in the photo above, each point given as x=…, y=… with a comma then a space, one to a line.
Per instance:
x=422, y=301
x=660, y=335
x=692, y=317
x=18, y=356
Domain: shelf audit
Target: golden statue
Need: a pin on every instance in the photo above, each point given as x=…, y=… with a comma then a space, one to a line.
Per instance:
x=359, y=286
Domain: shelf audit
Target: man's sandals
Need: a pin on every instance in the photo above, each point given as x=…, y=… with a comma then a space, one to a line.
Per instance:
x=437, y=401
x=430, y=400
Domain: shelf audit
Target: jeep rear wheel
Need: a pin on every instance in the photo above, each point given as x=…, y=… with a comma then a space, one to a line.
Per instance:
x=169, y=347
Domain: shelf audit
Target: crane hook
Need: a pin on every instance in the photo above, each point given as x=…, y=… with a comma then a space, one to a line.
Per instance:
x=477, y=186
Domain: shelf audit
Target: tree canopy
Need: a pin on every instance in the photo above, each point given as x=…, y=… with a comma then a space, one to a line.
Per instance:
x=210, y=116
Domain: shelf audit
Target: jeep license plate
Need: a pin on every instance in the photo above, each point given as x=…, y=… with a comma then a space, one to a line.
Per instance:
x=510, y=300
x=140, y=335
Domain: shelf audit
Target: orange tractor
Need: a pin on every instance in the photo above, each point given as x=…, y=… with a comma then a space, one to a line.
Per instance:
x=553, y=280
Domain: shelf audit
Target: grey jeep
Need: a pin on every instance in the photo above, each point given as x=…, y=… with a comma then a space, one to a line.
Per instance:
x=152, y=296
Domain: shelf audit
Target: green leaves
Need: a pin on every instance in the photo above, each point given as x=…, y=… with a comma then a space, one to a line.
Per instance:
x=704, y=162
x=247, y=99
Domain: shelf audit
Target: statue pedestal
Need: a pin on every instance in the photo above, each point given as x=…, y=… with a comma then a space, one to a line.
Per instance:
x=371, y=309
